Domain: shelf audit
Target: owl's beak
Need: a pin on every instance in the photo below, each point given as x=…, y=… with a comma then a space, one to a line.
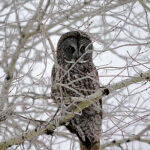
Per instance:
x=76, y=55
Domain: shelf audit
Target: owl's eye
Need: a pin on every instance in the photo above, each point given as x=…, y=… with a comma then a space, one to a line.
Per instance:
x=71, y=49
x=82, y=49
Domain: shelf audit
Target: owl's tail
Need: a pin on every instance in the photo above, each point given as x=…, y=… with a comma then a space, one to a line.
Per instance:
x=90, y=146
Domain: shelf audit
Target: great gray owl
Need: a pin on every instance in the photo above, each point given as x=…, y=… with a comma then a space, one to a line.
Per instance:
x=78, y=77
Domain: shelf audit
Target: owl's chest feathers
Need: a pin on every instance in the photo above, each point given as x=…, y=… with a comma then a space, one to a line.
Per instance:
x=78, y=80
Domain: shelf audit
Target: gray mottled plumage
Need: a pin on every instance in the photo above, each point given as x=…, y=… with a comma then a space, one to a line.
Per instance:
x=80, y=78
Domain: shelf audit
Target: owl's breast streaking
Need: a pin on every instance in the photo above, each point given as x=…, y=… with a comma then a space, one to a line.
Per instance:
x=81, y=79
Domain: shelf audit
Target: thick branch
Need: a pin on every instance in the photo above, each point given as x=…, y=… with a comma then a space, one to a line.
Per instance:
x=85, y=103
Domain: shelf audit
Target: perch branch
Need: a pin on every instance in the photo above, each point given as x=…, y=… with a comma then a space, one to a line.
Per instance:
x=57, y=121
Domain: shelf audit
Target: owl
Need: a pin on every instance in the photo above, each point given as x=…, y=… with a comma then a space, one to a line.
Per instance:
x=78, y=77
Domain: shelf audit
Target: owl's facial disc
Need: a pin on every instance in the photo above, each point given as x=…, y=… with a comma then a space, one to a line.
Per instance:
x=78, y=55
x=76, y=50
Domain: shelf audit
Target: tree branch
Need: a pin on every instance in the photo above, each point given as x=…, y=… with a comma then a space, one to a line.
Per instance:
x=144, y=5
x=127, y=140
x=86, y=102
x=11, y=68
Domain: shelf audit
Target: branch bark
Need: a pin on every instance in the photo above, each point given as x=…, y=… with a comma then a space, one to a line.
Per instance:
x=85, y=102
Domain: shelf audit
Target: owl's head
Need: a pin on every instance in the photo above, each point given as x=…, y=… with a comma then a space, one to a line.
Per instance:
x=74, y=46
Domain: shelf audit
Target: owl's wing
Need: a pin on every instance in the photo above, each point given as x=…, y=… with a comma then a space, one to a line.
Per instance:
x=53, y=80
x=53, y=75
x=95, y=77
